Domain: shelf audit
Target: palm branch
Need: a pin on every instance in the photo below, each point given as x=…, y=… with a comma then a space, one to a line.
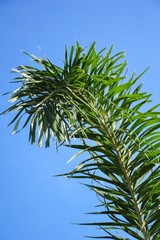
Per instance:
x=90, y=99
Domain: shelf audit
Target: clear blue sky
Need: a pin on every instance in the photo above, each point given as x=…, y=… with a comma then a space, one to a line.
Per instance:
x=33, y=204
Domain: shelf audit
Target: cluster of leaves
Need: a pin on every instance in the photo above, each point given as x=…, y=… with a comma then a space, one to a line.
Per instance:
x=90, y=99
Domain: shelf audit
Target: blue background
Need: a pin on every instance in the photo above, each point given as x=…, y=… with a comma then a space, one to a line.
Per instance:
x=33, y=204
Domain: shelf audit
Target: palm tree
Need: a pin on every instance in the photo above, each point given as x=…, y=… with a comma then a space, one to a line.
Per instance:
x=91, y=100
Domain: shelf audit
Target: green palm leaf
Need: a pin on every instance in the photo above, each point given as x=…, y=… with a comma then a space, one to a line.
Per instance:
x=90, y=99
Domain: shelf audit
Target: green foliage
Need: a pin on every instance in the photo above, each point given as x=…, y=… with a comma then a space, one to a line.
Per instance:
x=90, y=99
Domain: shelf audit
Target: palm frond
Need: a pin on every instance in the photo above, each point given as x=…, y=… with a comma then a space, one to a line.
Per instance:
x=90, y=99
